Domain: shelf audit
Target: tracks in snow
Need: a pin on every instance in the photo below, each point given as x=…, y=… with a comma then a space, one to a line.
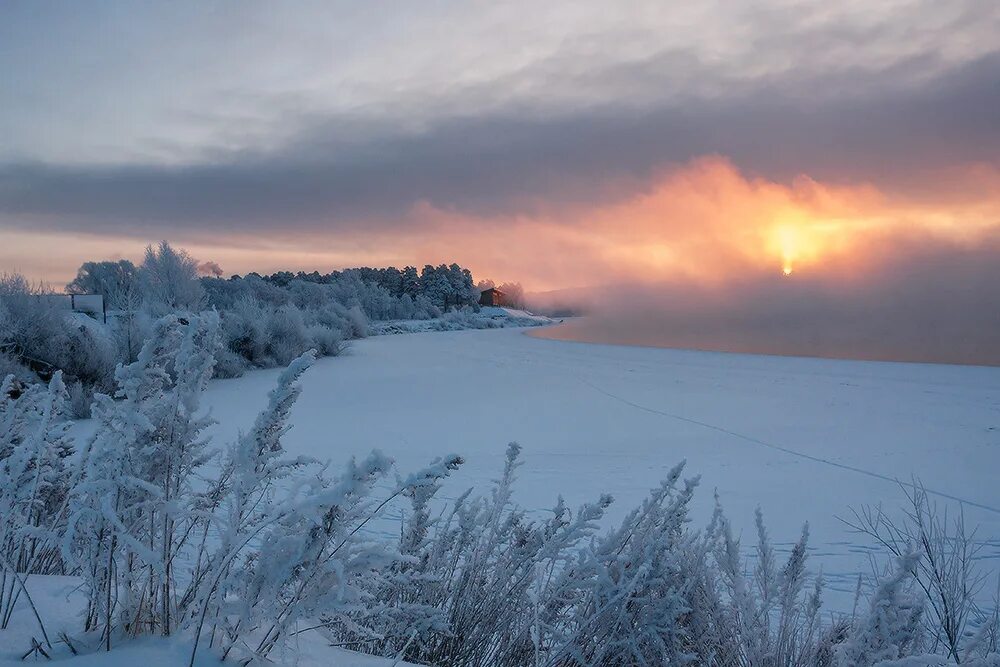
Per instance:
x=786, y=450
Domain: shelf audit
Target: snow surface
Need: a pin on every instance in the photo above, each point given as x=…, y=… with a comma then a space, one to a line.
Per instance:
x=806, y=439
x=60, y=604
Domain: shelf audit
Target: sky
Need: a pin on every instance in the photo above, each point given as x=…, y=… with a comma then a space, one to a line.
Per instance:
x=561, y=144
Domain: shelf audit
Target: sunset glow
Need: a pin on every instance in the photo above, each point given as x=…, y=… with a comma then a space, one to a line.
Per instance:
x=263, y=265
x=703, y=221
x=545, y=153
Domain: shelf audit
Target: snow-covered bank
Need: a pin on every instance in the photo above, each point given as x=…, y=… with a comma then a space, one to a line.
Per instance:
x=316, y=588
x=806, y=439
x=489, y=317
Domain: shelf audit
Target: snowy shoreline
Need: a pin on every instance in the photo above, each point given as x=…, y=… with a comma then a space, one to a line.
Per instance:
x=606, y=418
x=804, y=439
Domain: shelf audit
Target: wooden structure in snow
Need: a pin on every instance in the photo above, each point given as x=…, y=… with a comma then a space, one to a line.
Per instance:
x=492, y=297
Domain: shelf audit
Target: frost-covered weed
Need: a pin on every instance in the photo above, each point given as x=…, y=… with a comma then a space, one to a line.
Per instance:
x=237, y=558
x=35, y=447
x=485, y=585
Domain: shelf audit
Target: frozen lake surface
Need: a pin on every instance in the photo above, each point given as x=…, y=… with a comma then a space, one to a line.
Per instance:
x=806, y=439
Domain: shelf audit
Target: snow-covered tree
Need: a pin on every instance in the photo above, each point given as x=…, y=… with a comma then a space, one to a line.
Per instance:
x=105, y=278
x=411, y=282
x=513, y=294
x=464, y=292
x=169, y=280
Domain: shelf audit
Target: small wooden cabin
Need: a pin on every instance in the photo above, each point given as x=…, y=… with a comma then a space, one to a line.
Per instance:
x=90, y=304
x=492, y=297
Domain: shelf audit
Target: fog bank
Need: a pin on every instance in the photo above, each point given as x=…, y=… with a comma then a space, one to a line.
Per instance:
x=925, y=302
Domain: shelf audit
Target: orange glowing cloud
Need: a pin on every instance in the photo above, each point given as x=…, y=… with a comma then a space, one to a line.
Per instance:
x=705, y=222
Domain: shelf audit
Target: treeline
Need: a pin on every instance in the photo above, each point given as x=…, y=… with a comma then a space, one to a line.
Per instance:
x=444, y=286
x=265, y=321
x=240, y=549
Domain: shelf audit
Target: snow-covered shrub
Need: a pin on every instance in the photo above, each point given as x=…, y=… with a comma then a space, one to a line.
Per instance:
x=245, y=331
x=229, y=364
x=325, y=340
x=80, y=400
x=476, y=570
x=30, y=325
x=135, y=505
x=266, y=335
x=287, y=334
x=34, y=483
x=40, y=335
x=424, y=308
x=770, y=615
x=891, y=628
x=631, y=598
x=86, y=351
x=944, y=559
x=129, y=319
x=10, y=365
x=358, y=322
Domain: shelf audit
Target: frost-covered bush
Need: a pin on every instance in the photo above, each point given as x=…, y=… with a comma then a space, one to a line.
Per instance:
x=80, y=400
x=11, y=365
x=890, y=630
x=512, y=591
x=133, y=506
x=86, y=352
x=358, y=322
x=35, y=448
x=481, y=567
x=287, y=334
x=940, y=556
x=229, y=364
x=37, y=334
x=467, y=318
x=325, y=340
x=265, y=335
x=29, y=323
x=234, y=554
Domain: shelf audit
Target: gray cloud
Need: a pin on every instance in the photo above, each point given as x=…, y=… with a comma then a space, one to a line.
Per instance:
x=354, y=171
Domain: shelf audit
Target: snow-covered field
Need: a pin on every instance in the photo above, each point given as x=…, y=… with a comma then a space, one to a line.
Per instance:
x=806, y=439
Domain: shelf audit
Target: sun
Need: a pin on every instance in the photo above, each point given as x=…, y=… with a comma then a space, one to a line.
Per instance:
x=787, y=270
